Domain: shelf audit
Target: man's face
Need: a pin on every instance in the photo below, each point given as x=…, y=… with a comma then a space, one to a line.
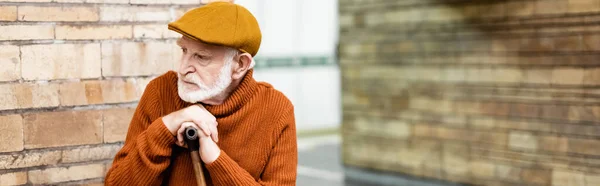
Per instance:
x=205, y=70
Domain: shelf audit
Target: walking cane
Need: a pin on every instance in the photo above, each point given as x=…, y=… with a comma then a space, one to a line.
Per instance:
x=191, y=138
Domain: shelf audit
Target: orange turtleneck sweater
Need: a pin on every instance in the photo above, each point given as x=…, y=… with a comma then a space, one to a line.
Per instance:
x=257, y=137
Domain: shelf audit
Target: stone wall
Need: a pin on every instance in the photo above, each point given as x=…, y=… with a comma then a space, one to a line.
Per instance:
x=503, y=92
x=71, y=73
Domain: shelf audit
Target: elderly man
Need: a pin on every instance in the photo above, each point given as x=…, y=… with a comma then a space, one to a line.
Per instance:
x=254, y=142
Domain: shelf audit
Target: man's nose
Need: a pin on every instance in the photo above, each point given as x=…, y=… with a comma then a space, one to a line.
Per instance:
x=185, y=67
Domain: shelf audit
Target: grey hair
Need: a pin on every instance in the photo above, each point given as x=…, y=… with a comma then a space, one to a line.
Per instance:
x=231, y=53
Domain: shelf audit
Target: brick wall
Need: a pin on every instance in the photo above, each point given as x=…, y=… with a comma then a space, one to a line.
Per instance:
x=480, y=92
x=71, y=73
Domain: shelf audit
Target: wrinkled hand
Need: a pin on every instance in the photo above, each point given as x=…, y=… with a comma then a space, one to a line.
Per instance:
x=209, y=151
x=193, y=116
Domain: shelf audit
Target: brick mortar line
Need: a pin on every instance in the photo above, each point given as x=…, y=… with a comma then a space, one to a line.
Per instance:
x=59, y=4
x=472, y=65
x=59, y=165
x=469, y=53
x=84, y=41
x=473, y=144
x=471, y=116
x=506, y=98
x=84, y=23
x=538, y=29
x=61, y=148
x=396, y=38
x=467, y=128
x=548, y=164
x=491, y=85
x=82, y=182
x=403, y=5
x=99, y=107
x=58, y=81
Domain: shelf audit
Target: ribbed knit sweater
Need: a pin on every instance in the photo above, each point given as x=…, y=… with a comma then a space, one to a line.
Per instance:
x=257, y=138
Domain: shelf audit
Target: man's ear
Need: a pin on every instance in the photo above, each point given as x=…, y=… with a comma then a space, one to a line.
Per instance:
x=244, y=63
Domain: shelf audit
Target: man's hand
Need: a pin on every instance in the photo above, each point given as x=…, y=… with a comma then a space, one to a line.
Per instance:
x=209, y=151
x=196, y=116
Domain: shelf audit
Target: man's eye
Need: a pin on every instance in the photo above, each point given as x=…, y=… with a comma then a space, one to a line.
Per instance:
x=184, y=50
x=198, y=56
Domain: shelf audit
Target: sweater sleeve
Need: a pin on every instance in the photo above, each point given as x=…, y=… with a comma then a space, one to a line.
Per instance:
x=148, y=146
x=280, y=169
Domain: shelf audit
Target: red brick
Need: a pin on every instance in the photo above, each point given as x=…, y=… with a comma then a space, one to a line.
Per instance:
x=453, y=134
x=580, y=6
x=66, y=60
x=72, y=93
x=116, y=123
x=62, y=13
x=568, y=43
x=522, y=140
x=591, y=76
x=8, y=13
x=538, y=76
x=118, y=91
x=64, y=174
x=591, y=42
x=584, y=146
x=508, y=172
x=94, y=32
x=497, y=137
x=27, y=95
x=567, y=178
x=26, y=32
x=585, y=113
x=93, y=92
x=492, y=10
x=520, y=8
x=567, y=76
x=524, y=110
x=494, y=108
x=54, y=129
x=13, y=178
x=551, y=7
x=455, y=159
x=553, y=143
x=12, y=133
x=555, y=111
x=481, y=169
x=10, y=70
x=482, y=123
x=423, y=130
x=536, y=176
x=29, y=159
x=592, y=179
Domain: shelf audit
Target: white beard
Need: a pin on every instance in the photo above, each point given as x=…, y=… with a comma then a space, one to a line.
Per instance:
x=204, y=92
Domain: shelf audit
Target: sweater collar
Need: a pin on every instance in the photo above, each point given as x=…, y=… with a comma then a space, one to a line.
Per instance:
x=244, y=92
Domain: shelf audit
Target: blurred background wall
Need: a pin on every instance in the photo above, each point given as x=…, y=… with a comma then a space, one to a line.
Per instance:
x=72, y=71
x=478, y=92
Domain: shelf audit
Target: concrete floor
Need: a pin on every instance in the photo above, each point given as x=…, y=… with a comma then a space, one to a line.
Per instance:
x=319, y=163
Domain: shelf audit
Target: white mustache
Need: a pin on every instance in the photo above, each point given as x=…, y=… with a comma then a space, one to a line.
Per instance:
x=192, y=78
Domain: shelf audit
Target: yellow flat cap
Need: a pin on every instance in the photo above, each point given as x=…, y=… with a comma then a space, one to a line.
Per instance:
x=221, y=23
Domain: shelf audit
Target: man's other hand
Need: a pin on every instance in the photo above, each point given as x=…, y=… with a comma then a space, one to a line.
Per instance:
x=196, y=116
